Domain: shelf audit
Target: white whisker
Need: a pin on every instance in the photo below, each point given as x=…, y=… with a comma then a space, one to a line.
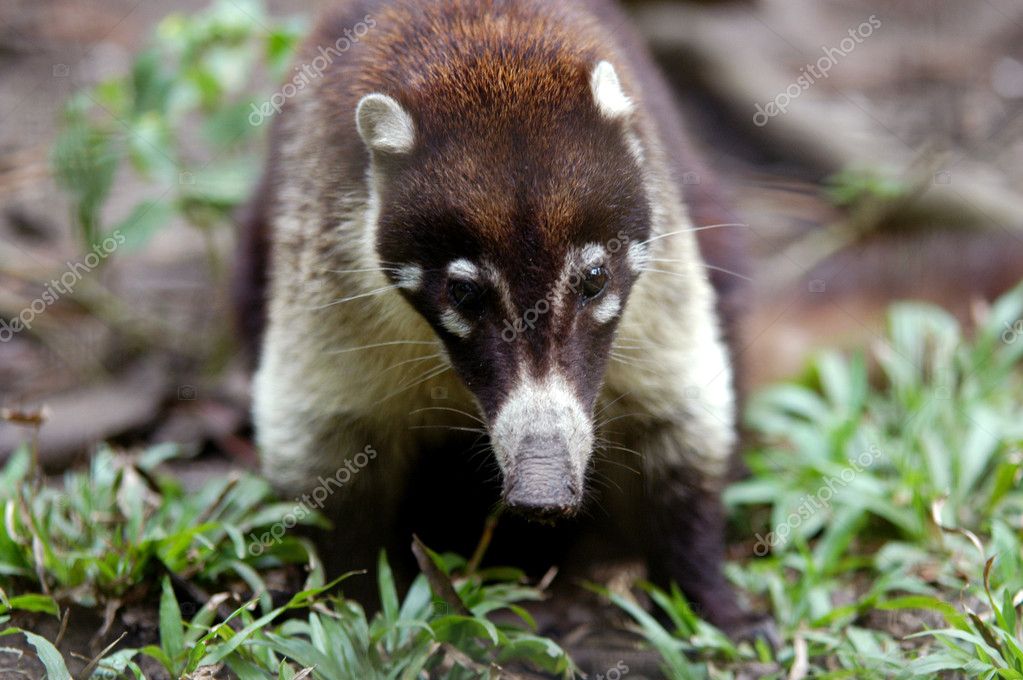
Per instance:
x=371, y=293
x=626, y=361
x=453, y=410
x=727, y=271
x=432, y=373
x=412, y=361
x=477, y=430
x=602, y=424
x=704, y=264
x=618, y=463
x=385, y=344
x=647, y=360
x=623, y=448
x=692, y=230
x=362, y=271
x=611, y=403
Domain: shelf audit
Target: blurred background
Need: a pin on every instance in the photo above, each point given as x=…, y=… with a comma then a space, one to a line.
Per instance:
x=874, y=149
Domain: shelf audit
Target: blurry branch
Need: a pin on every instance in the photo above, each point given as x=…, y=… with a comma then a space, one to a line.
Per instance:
x=704, y=44
x=97, y=300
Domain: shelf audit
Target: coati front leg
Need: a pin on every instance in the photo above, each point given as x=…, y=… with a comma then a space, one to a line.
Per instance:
x=684, y=524
x=352, y=472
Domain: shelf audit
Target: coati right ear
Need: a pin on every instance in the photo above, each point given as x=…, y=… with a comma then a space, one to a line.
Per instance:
x=384, y=125
x=608, y=94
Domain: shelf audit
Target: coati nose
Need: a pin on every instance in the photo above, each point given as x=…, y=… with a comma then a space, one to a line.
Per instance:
x=541, y=485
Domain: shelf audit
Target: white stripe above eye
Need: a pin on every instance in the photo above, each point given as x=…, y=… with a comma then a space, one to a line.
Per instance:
x=497, y=280
x=463, y=269
x=592, y=254
x=455, y=324
x=607, y=308
x=409, y=277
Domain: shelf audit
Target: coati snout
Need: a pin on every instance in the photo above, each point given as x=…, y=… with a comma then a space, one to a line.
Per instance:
x=542, y=438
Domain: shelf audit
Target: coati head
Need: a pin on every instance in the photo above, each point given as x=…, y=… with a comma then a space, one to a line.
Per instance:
x=509, y=208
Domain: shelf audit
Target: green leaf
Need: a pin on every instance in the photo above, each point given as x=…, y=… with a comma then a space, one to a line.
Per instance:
x=85, y=158
x=952, y=616
x=145, y=220
x=150, y=148
x=32, y=603
x=388, y=592
x=154, y=652
x=171, y=626
x=48, y=655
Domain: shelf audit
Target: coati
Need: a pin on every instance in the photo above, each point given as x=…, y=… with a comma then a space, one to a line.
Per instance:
x=481, y=220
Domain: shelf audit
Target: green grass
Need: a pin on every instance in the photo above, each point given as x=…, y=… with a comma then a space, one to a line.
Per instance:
x=876, y=496
x=122, y=529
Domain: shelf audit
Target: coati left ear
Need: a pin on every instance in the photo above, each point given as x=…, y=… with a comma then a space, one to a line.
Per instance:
x=608, y=94
x=384, y=125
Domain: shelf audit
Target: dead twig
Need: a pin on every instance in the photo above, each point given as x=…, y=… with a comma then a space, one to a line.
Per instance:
x=439, y=582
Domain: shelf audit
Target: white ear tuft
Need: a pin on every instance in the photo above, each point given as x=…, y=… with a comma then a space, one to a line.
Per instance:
x=384, y=125
x=608, y=94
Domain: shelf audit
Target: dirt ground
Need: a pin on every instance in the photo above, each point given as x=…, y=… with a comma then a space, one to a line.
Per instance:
x=935, y=95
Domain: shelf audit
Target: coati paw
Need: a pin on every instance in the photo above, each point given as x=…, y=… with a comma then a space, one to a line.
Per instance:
x=753, y=627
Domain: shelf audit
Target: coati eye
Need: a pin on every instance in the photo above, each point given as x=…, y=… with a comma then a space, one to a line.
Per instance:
x=594, y=282
x=465, y=294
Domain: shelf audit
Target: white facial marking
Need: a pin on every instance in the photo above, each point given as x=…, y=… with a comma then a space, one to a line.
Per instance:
x=384, y=125
x=494, y=276
x=547, y=407
x=455, y=324
x=608, y=94
x=608, y=308
x=592, y=254
x=409, y=277
x=463, y=269
x=638, y=256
